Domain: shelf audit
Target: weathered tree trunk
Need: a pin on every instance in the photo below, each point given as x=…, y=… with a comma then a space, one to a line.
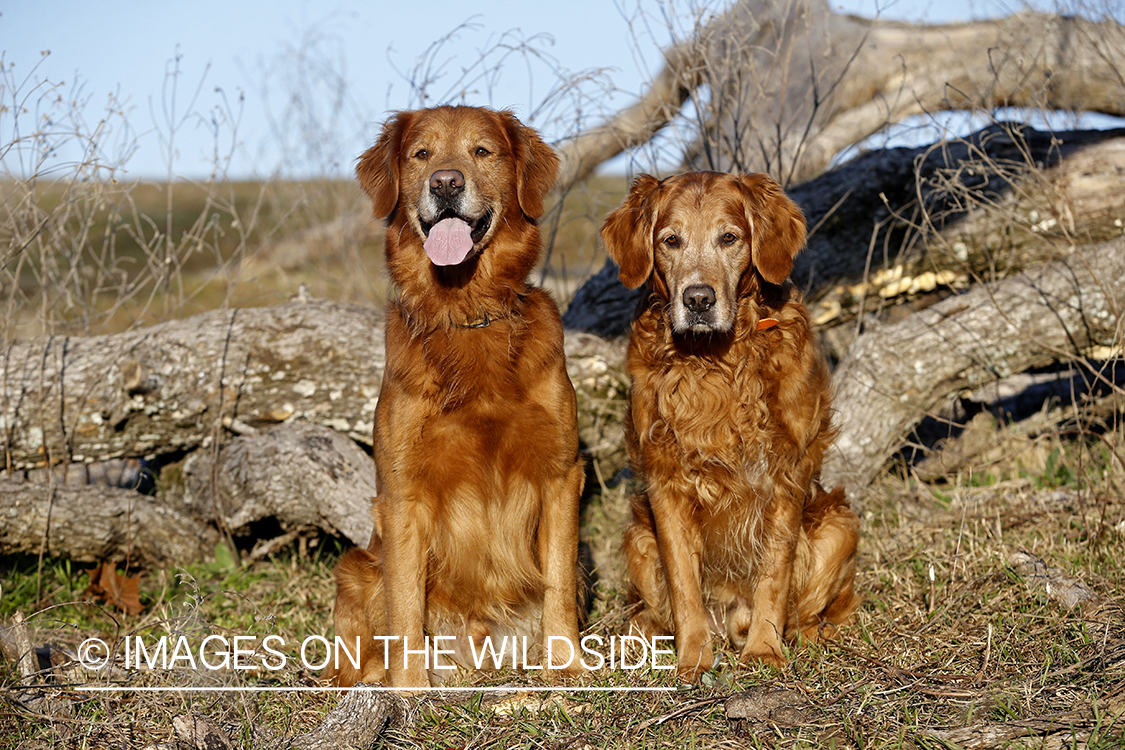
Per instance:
x=305, y=476
x=95, y=523
x=895, y=375
x=155, y=391
x=783, y=86
x=173, y=386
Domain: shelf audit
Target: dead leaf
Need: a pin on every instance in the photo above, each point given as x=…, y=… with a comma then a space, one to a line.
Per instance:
x=115, y=588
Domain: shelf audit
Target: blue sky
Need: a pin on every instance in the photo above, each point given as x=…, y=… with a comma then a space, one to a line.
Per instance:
x=238, y=67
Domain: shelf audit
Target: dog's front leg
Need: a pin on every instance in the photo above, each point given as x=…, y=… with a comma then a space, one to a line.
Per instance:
x=558, y=559
x=770, y=600
x=681, y=551
x=405, y=571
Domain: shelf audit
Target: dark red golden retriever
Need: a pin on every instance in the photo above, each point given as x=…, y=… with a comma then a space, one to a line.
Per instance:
x=476, y=447
x=729, y=421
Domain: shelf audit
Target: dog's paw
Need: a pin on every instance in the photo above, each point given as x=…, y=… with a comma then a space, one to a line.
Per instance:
x=691, y=675
x=410, y=678
x=763, y=653
x=694, y=663
x=563, y=674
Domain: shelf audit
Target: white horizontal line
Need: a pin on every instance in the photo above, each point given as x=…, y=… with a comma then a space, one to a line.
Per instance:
x=370, y=688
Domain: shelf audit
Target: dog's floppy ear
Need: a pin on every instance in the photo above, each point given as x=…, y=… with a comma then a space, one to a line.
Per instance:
x=778, y=226
x=537, y=166
x=627, y=233
x=378, y=168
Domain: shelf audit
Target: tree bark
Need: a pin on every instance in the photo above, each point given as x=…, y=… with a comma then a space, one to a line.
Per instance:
x=307, y=473
x=305, y=476
x=155, y=391
x=358, y=720
x=94, y=523
x=299, y=477
x=782, y=87
x=174, y=386
x=895, y=375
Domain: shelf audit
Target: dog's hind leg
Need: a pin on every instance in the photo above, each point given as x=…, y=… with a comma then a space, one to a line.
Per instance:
x=360, y=616
x=824, y=585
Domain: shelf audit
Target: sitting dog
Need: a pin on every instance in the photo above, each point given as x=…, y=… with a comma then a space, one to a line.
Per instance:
x=729, y=421
x=476, y=443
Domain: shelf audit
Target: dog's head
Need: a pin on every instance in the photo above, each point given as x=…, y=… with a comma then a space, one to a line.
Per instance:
x=704, y=238
x=455, y=175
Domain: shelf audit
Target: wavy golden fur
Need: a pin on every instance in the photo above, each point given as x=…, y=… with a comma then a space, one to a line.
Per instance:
x=476, y=448
x=728, y=425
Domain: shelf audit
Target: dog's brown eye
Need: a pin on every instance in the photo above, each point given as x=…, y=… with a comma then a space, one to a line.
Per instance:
x=729, y=239
x=672, y=241
x=422, y=154
x=482, y=151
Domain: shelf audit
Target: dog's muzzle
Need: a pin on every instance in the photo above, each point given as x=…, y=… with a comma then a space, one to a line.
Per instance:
x=450, y=233
x=699, y=307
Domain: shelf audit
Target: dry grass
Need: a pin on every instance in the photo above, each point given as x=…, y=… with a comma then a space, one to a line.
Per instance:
x=93, y=262
x=951, y=635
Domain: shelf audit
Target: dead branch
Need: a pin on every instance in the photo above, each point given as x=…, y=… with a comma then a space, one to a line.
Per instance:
x=783, y=87
x=631, y=126
x=1072, y=727
x=358, y=720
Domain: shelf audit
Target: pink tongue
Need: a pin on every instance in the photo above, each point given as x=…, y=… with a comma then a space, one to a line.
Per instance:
x=449, y=242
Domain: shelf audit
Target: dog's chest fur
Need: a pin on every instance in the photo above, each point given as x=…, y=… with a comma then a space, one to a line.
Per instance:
x=715, y=414
x=716, y=417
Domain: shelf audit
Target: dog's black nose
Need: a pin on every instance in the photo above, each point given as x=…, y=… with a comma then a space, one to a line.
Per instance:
x=447, y=182
x=699, y=298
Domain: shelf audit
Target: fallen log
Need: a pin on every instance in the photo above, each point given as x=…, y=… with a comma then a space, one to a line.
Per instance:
x=95, y=523
x=176, y=386
x=315, y=367
x=306, y=477
x=299, y=479
x=895, y=375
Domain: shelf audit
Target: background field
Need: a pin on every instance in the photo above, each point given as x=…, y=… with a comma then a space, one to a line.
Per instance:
x=136, y=254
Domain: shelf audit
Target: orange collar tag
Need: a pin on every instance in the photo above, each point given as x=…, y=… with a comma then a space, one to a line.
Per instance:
x=765, y=323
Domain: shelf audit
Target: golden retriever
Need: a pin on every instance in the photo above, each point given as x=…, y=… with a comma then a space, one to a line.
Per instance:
x=476, y=447
x=729, y=420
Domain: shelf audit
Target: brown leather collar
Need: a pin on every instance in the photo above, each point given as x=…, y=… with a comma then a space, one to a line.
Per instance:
x=483, y=322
